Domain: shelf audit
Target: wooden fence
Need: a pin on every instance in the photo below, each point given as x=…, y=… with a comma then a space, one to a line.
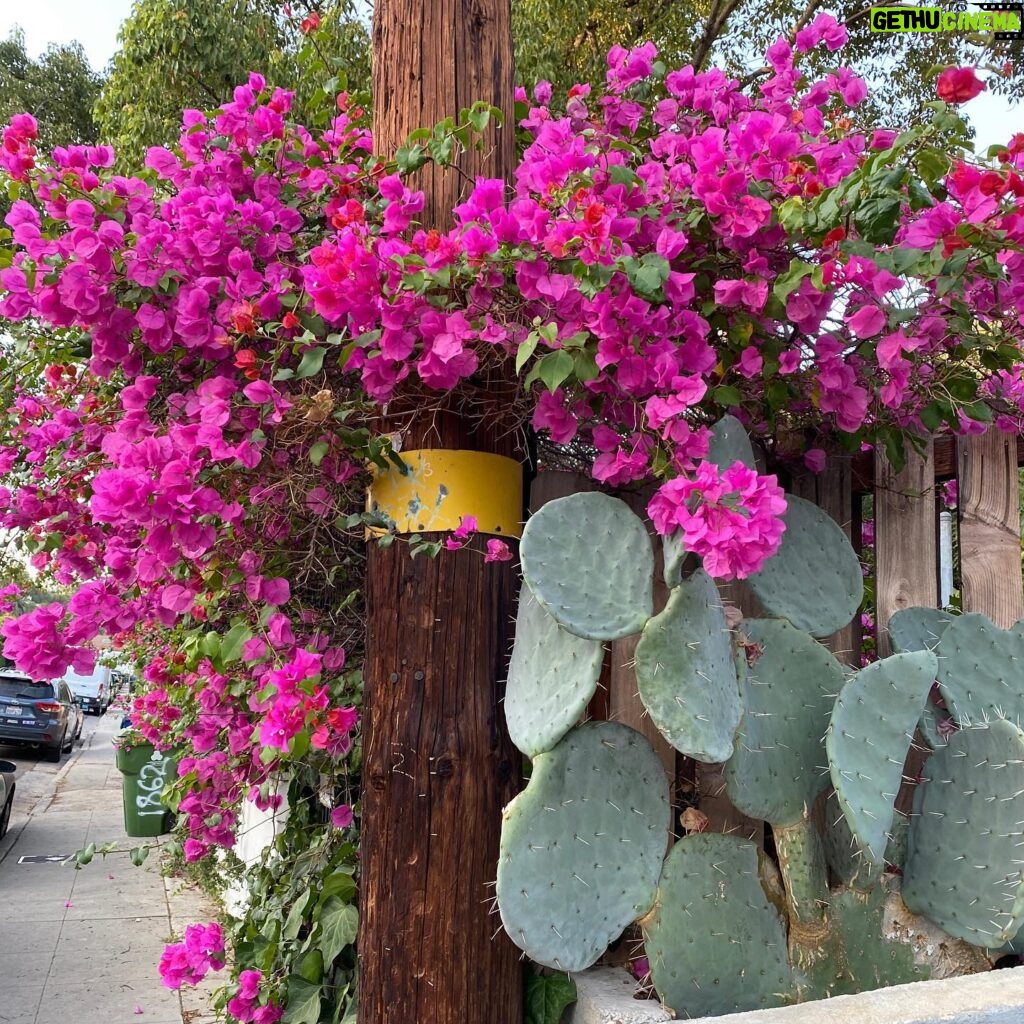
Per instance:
x=906, y=513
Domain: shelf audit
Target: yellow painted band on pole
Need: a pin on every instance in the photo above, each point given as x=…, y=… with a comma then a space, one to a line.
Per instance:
x=442, y=486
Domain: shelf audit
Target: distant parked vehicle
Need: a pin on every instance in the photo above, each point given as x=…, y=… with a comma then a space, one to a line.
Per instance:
x=94, y=691
x=35, y=713
x=7, y=770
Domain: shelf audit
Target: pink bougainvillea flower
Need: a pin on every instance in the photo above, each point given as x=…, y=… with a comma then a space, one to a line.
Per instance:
x=497, y=551
x=958, y=85
x=731, y=519
x=188, y=962
x=814, y=460
x=341, y=816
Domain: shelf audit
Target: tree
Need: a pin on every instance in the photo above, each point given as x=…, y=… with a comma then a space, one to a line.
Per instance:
x=180, y=54
x=59, y=89
x=566, y=43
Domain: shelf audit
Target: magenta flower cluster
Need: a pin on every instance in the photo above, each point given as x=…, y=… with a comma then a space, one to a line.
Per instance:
x=188, y=962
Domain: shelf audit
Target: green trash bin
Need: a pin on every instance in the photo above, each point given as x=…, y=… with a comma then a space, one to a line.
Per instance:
x=145, y=772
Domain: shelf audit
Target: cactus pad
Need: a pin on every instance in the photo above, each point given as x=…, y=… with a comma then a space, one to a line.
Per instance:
x=551, y=678
x=814, y=579
x=582, y=845
x=918, y=629
x=963, y=867
x=588, y=560
x=729, y=444
x=980, y=669
x=686, y=673
x=737, y=961
x=868, y=738
x=777, y=768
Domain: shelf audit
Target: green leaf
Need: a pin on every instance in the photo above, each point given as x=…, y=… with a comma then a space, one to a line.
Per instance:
x=791, y=214
x=311, y=966
x=728, y=397
x=932, y=165
x=585, y=366
x=210, y=644
x=546, y=997
x=312, y=362
x=648, y=274
x=554, y=368
x=340, y=884
x=318, y=451
x=787, y=283
x=303, y=1001
x=138, y=854
x=410, y=158
x=296, y=916
x=480, y=117
x=233, y=641
x=877, y=219
x=526, y=349
x=339, y=922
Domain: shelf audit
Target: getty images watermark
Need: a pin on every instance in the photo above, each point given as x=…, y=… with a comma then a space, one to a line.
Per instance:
x=1004, y=19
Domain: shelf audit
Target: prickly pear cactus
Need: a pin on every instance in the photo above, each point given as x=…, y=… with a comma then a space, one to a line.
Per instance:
x=686, y=672
x=551, y=678
x=714, y=942
x=588, y=560
x=788, y=692
x=870, y=732
x=980, y=671
x=963, y=867
x=582, y=845
x=814, y=580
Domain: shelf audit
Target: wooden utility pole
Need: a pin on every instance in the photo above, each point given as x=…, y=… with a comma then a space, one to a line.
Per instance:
x=438, y=766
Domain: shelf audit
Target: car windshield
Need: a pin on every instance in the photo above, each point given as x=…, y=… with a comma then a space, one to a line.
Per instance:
x=25, y=688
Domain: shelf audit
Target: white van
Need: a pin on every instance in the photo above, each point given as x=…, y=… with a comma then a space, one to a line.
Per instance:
x=94, y=692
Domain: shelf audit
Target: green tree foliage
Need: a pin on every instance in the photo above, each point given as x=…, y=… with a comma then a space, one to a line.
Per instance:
x=566, y=43
x=177, y=54
x=59, y=89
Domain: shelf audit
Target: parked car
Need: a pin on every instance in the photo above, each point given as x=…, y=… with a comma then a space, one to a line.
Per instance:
x=37, y=713
x=95, y=691
x=7, y=770
x=79, y=718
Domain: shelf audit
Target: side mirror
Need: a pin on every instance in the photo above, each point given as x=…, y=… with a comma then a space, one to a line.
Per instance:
x=8, y=766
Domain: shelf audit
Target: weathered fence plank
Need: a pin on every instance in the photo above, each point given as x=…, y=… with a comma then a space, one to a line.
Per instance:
x=905, y=550
x=990, y=569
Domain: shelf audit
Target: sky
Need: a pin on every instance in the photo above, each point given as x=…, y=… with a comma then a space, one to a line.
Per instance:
x=95, y=23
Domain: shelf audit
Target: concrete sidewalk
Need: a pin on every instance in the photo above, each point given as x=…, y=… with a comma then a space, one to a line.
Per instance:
x=83, y=946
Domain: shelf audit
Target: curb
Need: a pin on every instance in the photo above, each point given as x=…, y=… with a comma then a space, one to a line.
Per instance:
x=994, y=997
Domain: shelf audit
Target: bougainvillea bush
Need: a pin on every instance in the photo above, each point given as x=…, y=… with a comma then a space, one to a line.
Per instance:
x=204, y=347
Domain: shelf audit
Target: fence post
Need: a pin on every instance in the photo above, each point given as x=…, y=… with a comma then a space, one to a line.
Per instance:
x=990, y=569
x=438, y=766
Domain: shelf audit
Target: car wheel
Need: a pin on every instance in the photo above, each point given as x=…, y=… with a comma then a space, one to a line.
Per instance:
x=71, y=743
x=53, y=753
x=5, y=816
